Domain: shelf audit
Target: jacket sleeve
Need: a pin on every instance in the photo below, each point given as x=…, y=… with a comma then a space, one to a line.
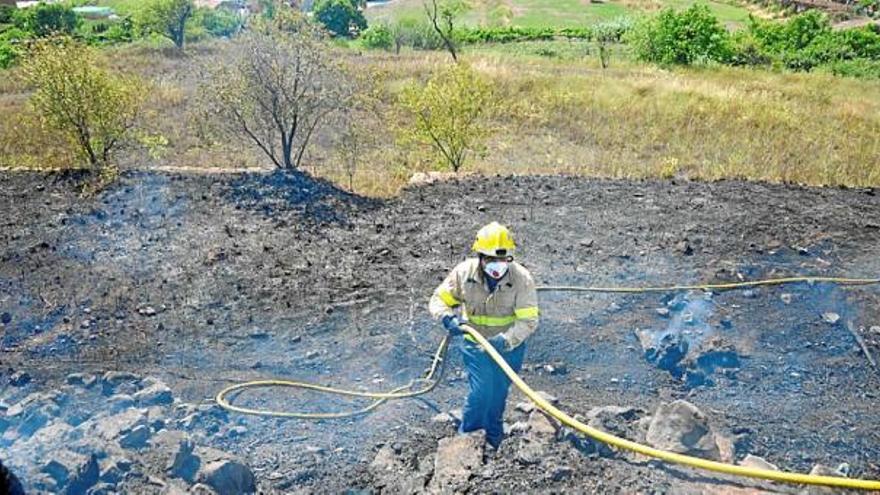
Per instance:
x=526, y=312
x=446, y=297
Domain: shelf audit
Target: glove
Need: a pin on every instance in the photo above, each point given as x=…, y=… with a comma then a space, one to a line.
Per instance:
x=451, y=324
x=499, y=343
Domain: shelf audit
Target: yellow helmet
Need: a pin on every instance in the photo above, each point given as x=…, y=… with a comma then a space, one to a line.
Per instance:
x=494, y=240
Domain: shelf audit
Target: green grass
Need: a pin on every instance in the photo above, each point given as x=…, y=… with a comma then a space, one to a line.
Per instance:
x=555, y=13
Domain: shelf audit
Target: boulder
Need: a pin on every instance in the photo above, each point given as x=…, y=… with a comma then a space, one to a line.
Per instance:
x=119, y=382
x=136, y=438
x=19, y=379
x=183, y=463
x=72, y=473
x=228, y=477
x=458, y=458
x=156, y=394
x=534, y=445
x=681, y=427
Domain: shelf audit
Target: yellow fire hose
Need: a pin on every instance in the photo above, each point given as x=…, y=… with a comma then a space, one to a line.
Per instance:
x=429, y=382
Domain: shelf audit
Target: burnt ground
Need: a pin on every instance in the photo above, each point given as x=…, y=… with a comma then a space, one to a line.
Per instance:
x=203, y=280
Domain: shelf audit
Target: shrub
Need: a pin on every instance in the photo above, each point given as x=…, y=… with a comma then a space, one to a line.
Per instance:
x=340, y=17
x=220, y=22
x=47, y=19
x=11, y=46
x=864, y=69
x=450, y=113
x=84, y=103
x=416, y=34
x=6, y=14
x=688, y=37
x=377, y=36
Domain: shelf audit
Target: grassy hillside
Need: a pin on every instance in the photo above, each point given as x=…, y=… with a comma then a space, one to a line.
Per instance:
x=553, y=13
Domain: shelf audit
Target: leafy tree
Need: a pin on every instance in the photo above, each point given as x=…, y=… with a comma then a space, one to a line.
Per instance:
x=87, y=105
x=168, y=18
x=691, y=36
x=450, y=113
x=276, y=87
x=377, y=36
x=47, y=19
x=220, y=22
x=340, y=17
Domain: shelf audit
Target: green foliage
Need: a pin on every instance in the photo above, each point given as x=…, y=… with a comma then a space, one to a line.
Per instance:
x=377, y=36
x=806, y=42
x=450, y=113
x=168, y=18
x=688, y=37
x=11, y=46
x=340, y=17
x=416, y=34
x=47, y=19
x=220, y=22
x=84, y=103
x=860, y=68
x=107, y=31
x=6, y=13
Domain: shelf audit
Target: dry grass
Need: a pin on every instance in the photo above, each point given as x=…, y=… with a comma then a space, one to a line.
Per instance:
x=562, y=117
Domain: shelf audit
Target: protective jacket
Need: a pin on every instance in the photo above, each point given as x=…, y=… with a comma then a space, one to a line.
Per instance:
x=511, y=309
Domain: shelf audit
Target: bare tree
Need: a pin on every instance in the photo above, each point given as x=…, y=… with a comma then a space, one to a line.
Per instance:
x=278, y=85
x=442, y=17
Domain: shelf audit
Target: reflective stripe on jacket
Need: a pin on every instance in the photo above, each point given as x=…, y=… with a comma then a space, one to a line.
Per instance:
x=512, y=309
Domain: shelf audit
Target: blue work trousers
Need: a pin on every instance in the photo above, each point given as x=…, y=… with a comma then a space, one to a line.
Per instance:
x=484, y=409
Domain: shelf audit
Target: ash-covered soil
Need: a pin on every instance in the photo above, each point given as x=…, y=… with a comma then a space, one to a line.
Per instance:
x=200, y=281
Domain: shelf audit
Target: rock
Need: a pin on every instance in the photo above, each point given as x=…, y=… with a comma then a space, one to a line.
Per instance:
x=136, y=438
x=201, y=489
x=85, y=477
x=109, y=428
x=540, y=425
x=62, y=465
x=19, y=379
x=556, y=369
x=786, y=298
x=236, y=431
x=684, y=248
x=395, y=475
x=560, y=473
x=182, y=462
x=119, y=381
x=830, y=317
x=458, y=458
x=681, y=427
x=754, y=461
x=442, y=418
x=5, y=318
x=536, y=442
x=823, y=470
x=548, y=397
x=228, y=477
x=156, y=394
x=120, y=402
x=875, y=330
x=750, y=293
x=103, y=489
x=525, y=407
x=664, y=312
x=81, y=379
x=726, y=448
x=147, y=311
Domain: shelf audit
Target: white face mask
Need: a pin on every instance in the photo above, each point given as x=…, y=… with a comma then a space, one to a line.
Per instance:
x=496, y=269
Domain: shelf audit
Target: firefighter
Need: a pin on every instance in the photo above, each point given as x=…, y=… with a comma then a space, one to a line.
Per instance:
x=495, y=296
